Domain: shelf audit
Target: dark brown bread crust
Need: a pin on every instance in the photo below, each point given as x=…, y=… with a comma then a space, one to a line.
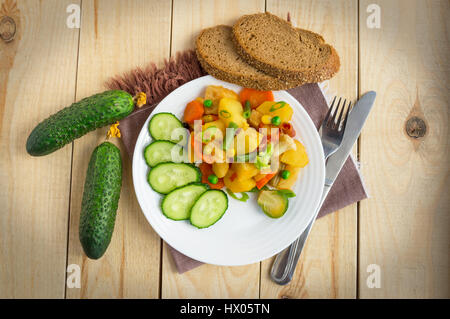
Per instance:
x=248, y=47
x=217, y=55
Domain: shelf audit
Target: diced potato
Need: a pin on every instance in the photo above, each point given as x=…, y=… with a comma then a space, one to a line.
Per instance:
x=215, y=93
x=288, y=183
x=244, y=170
x=297, y=157
x=246, y=141
x=231, y=110
x=237, y=185
x=220, y=169
x=282, y=109
x=218, y=123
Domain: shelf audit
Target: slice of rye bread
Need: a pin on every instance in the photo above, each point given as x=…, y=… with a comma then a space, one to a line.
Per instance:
x=275, y=47
x=218, y=56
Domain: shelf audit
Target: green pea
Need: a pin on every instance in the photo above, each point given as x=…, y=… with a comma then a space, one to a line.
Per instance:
x=213, y=179
x=207, y=103
x=276, y=120
x=285, y=174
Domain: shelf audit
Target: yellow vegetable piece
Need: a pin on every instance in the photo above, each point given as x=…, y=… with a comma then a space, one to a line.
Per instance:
x=220, y=169
x=297, y=157
x=281, y=109
x=215, y=94
x=244, y=170
x=231, y=110
x=288, y=183
x=230, y=152
x=266, y=119
x=218, y=123
x=237, y=185
x=246, y=141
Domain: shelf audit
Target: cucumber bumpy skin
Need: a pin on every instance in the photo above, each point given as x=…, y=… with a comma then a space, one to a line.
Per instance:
x=100, y=199
x=78, y=119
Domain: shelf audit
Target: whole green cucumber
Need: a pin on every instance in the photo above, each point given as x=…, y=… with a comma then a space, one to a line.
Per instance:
x=78, y=119
x=100, y=199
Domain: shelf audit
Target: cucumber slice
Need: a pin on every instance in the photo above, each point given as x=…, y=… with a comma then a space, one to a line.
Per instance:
x=273, y=203
x=178, y=203
x=162, y=151
x=162, y=125
x=209, y=208
x=165, y=177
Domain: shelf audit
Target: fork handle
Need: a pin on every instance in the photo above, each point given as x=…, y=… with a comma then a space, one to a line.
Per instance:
x=283, y=267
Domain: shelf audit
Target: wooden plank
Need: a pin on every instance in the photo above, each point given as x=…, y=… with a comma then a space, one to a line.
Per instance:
x=37, y=76
x=117, y=36
x=404, y=227
x=327, y=267
x=207, y=281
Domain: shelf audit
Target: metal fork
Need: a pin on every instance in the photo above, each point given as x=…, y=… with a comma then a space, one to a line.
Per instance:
x=331, y=132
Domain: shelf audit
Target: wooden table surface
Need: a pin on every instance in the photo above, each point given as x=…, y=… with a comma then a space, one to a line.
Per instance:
x=400, y=233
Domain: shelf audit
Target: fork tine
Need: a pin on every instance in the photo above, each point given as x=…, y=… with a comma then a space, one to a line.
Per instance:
x=332, y=122
x=327, y=116
x=339, y=119
x=346, y=115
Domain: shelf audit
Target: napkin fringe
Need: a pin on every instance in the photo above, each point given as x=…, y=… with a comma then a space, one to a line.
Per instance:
x=156, y=82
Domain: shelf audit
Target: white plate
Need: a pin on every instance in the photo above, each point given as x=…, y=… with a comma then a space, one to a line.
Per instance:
x=244, y=235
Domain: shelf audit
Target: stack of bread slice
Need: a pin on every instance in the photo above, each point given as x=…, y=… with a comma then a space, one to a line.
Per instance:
x=264, y=52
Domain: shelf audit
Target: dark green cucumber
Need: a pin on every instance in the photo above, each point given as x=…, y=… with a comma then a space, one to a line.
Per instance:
x=100, y=199
x=78, y=119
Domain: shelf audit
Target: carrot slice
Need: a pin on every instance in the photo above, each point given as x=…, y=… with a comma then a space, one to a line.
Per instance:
x=207, y=170
x=255, y=97
x=194, y=111
x=263, y=181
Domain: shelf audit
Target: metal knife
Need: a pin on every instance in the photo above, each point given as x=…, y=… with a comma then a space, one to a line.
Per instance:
x=284, y=265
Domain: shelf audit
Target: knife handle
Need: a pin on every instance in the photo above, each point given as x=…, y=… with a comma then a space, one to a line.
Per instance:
x=283, y=267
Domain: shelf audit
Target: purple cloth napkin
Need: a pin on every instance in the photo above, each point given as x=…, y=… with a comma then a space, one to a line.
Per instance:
x=157, y=83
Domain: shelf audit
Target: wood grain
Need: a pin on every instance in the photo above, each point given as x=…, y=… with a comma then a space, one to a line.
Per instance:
x=404, y=227
x=37, y=78
x=327, y=267
x=117, y=36
x=207, y=281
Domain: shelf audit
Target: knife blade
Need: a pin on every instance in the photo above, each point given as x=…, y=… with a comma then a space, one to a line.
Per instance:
x=284, y=265
x=355, y=122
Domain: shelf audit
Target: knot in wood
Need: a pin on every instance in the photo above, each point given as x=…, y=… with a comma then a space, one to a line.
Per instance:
x=415, y=127
x=7, y=28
